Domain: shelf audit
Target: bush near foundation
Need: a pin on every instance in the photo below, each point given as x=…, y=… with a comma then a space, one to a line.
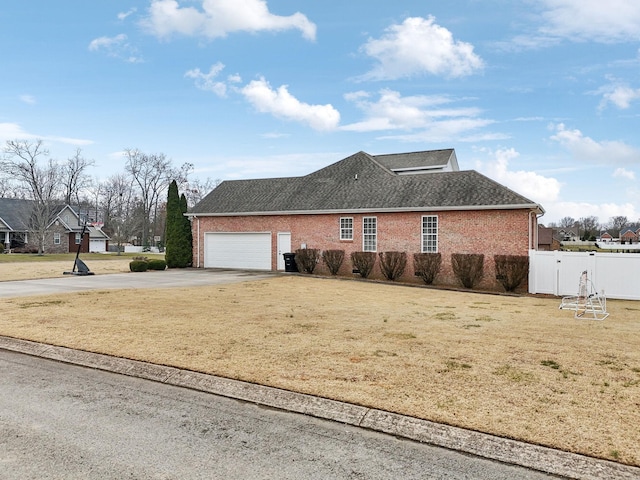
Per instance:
x=363, y=262
x=468, y=268
x=511, y=270
x=157, y=264
x=333, y=260
x=307, y=259
x=426, y=266
x=392, y=264
x=138, y=266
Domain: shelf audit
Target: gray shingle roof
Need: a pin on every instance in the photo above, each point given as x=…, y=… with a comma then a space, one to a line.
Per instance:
x=360, y=182
x=14, y=212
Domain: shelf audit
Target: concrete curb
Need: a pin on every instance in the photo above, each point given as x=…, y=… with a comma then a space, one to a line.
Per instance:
x=505, y=450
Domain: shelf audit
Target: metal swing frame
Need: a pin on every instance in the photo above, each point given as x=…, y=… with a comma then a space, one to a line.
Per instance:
x=588, y=303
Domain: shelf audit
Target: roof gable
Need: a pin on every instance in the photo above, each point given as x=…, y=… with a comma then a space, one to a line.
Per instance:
x=420, y=162
x=15, y=213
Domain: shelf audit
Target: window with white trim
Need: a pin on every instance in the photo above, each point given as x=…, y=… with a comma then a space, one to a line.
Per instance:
x=369, y=234
x=78, y=238
x=346, y=228
x=56, y=238
x=430, y=234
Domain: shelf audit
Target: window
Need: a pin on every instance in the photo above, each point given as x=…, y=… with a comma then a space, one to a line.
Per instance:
x=56, y=239
x=430, y=234
x=346, y=228
x=369, y=234
x=78, y=238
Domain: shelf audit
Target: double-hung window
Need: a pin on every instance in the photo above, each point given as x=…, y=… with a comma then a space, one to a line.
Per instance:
x=346, y=228
x=56, y=238
x=430, y=234
x=78, y=238
x=369, y=234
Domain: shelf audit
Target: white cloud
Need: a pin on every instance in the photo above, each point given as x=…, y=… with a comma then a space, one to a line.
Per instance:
x=554, y=211
x=619, y=95
x=428, y=117
x=419, y=46
x=282, y=104
x=13, y=131
x=28, y=99
x=624, y=173
x=207, y=82
x=124, y=15
x=586, y=149
x=592, y=20
x=116, y=47
x=218, y=18
x=532, y=185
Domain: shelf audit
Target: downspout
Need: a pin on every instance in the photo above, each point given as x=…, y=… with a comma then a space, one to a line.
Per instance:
x=198, y=235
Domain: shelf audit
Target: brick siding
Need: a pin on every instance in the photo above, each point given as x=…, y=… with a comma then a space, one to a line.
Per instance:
x=491, y=232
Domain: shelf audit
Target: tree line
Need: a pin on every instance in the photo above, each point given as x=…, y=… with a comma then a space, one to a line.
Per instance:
x=131, y=204
x=589, y=228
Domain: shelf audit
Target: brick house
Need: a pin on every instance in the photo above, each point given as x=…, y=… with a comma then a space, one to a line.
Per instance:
x=413, y=202
x=628, y=236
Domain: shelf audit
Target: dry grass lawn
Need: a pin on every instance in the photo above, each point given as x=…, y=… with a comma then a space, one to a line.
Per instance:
x=49, y=269
x=511, y=366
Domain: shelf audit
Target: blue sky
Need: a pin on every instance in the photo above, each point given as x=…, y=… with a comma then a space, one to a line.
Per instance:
x=540, y=95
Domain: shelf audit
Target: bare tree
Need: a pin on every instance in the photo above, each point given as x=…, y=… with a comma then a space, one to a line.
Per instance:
x=117, y=202
x=75, y=177
x=567, y=222
x=152, y=175
x=589, y=226
x=41, y=182
x=617, y=224
x=196, y=190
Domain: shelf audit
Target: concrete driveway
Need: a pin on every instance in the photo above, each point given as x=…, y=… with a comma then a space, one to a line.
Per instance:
x=187, y=277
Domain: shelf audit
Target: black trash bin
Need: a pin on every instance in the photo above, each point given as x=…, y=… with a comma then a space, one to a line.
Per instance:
x=290, y=262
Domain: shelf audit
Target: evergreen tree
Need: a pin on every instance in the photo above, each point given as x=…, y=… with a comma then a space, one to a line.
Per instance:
x=173, y=227
x=186, y=237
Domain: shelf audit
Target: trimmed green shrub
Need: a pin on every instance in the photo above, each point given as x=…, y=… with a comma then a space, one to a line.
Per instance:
x=426, y=266
x=138, y=266
x=392, y=264
x=157, y=264
x=363, y=262
x=333, y=260
x=468, y=267
x=511, y=270
x=178, y=252
x=307, y=259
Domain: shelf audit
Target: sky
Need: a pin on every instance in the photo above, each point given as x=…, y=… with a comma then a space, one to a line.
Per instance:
x=542, y=96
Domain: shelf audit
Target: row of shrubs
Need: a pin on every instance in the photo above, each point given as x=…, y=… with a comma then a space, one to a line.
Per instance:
x=142, y=264
x=468, y=268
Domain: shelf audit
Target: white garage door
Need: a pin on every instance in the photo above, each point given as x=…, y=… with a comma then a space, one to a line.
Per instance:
x=238, y=250
x=97, y=245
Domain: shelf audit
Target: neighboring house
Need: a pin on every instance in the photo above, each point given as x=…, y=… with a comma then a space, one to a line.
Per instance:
x=606, y=237
x=546, y=240
x=628, y=236
x=64, y=232
x=415, y=202
x=568, y=235
x=14, y=230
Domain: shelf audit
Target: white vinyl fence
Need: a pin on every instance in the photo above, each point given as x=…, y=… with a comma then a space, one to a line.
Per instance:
x=617, y=275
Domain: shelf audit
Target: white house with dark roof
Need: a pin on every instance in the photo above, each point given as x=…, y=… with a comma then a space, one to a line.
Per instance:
x=415, y=202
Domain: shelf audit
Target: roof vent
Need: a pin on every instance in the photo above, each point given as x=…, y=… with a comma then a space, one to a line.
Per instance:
x=355, y=177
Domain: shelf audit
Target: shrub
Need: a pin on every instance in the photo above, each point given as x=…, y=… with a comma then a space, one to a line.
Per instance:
x=138, y=266
x=363, y=262
x=468, y=267
x=333, y=260
x=392, y=264
x=511, y=270
x=157, y=264
x=426, y=266
x=307, y=259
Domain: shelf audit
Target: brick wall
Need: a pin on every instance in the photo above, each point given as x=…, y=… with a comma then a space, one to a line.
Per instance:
x=490, y=232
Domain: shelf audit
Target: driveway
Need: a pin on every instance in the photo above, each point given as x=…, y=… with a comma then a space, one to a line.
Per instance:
x=187, y=277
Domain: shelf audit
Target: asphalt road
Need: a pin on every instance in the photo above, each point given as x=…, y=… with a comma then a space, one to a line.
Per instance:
x=60, y=421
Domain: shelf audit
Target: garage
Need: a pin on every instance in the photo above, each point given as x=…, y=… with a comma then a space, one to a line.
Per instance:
x=238, y=250
x=98, y=245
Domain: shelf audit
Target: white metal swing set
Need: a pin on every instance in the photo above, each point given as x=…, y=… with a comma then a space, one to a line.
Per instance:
x=588, y=303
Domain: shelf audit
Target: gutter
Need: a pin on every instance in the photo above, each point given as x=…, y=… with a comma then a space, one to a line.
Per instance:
x=525, y=206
